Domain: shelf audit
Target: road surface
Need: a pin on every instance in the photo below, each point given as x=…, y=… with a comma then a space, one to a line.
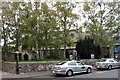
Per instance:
x=102, y=74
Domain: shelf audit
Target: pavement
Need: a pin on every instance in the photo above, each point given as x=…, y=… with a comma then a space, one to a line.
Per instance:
x=23, y=75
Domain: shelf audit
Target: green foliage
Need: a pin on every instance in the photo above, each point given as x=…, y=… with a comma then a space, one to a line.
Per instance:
x=66, y=19
x=86, y=7
x=87, y=47
x=102, y=23
x=42, y=26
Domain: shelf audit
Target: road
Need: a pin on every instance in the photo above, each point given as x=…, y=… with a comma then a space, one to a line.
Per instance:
x=94, y=74
x=103, y=74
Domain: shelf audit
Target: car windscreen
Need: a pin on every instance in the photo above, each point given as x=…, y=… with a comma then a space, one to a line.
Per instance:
x=102, y=60
x=61, y=63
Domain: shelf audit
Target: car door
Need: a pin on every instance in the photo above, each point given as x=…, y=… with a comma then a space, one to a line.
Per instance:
x=73, y=66
x=81, y=67
x=113, y=63
x=116, y=63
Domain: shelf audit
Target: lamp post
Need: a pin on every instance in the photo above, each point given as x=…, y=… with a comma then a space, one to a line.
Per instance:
x=17, y=65
x=17, y=51
x=17, y=40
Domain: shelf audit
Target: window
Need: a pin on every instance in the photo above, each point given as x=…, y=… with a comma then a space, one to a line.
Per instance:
x=116, y=60
x=111, y=61
x=79, y=63
x=102, y=60
x=72, y=64
x=61, y=63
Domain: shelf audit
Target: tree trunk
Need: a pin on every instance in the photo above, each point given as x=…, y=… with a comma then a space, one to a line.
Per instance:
x=64, y=50
x=46, y=44
x=65, y=37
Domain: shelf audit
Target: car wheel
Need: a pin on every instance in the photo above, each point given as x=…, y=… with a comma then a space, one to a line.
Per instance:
x=110, y=67
x=69, y=73
x=89, y=70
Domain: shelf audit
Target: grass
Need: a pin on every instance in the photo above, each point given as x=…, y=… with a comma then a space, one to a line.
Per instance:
x=46, y=60
x=41, y=60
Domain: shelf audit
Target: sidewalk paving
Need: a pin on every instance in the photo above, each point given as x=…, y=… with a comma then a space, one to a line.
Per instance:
x=24, y=75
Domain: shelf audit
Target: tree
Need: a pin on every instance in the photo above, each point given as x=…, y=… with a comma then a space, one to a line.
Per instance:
x=42, y=32
x=38, y=27
x=100, y=24
x=48, y=28
x=65, y=20
x=87, y=47
x=8, y=27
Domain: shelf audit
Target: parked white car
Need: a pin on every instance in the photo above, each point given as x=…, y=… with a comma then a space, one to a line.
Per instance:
x=70, y=67
x=108, y=63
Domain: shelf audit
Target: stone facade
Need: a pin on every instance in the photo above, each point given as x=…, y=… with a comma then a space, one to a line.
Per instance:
x=25, y=67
